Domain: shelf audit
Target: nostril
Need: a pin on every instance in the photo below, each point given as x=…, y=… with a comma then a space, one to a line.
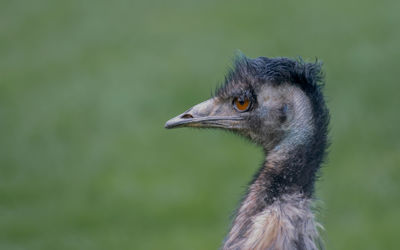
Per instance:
x=186, y=116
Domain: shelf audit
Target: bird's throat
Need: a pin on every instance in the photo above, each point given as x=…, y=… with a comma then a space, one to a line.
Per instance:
x=276, y=212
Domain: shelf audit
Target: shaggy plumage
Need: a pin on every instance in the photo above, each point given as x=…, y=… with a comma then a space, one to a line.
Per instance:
x=286, y=115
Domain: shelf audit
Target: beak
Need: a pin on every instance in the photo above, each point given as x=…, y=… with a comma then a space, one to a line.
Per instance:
x=212, y=113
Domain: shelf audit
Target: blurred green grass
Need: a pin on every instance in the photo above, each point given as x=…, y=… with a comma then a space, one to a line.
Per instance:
x=86, y=87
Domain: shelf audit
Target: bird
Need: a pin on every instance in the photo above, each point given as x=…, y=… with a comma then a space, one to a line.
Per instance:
x=278, y=103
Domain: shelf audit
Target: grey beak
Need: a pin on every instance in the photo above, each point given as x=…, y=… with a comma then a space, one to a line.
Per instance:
x=209, y=114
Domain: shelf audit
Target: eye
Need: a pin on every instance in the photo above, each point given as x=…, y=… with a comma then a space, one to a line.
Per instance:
x=241, y=105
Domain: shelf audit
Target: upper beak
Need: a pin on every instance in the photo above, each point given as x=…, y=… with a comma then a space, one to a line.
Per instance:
x=212, y=113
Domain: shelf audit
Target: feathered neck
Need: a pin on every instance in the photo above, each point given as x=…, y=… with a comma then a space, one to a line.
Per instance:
x=276, y=211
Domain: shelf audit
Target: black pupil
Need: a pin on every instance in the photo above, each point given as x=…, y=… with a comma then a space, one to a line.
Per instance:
x=241, y=102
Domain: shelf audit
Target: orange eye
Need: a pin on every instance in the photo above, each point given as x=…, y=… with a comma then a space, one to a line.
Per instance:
x=241, y=105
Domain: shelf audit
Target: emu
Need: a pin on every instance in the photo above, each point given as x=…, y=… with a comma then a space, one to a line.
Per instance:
x=278, y=104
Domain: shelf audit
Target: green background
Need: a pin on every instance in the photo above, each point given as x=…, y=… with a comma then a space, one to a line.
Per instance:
x=86, y=87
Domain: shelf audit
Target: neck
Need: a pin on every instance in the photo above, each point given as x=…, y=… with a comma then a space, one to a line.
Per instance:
x=276, y=212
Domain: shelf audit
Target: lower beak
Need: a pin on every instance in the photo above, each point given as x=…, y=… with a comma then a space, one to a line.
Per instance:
x=209, y=114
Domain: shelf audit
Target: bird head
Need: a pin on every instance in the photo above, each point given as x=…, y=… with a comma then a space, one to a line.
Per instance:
x=263, y=99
